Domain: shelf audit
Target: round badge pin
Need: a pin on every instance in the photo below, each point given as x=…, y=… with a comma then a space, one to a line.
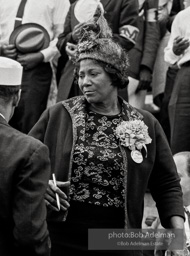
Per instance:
x=137, y=156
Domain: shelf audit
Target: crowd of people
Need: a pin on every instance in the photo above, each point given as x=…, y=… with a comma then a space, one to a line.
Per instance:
x=75, y=77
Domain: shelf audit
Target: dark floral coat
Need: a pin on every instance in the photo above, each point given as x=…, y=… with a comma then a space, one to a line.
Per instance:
x=58, y=129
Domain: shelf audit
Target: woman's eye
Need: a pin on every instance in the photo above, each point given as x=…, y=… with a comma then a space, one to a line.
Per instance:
x=81, y=76
x=94, y=74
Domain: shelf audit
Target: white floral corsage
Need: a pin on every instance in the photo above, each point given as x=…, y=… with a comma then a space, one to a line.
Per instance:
x=134, y=135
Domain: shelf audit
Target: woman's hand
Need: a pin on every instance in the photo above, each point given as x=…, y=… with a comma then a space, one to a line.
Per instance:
x=71, y=50
x=177, y=223
x=50, y=195
x=76, y=31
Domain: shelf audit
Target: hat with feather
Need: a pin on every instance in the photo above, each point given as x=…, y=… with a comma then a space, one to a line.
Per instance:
x=97, y=42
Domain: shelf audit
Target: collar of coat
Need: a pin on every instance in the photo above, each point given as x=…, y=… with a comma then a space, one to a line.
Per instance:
x=77, y=107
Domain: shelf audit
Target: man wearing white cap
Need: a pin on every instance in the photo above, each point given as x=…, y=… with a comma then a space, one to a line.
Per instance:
x=24, y=174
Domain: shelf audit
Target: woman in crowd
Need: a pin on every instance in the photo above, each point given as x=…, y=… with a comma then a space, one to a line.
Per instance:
x=104, y=153
x=122, y=16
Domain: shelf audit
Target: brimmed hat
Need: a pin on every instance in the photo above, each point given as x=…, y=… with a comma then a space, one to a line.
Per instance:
x=10, y=72
x=96, y=42
x=29, y=37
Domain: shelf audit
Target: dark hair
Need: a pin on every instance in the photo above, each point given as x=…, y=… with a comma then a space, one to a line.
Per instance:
x=114, y=74
x=7, y=92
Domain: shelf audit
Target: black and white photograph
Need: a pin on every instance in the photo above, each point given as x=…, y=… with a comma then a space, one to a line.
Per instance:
x=95, y=127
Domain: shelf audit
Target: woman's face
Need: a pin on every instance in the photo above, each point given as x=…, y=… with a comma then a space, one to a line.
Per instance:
x=95, y=83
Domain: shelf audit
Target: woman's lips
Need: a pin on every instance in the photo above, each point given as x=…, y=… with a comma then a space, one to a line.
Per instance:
x=88, y=92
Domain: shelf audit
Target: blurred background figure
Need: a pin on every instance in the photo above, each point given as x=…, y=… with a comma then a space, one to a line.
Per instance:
x=24, y=174
x=151, y=219
x=171, y=73
x=122, y=16
x=178, y=52
x=160, y=67
x=143, y=54
x=182, y=161
x=37, y=74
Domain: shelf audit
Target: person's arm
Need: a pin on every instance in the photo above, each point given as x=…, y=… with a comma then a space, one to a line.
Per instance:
x=150, y=44
x=66, y=35
x=164, y=185
x=176, y=32
x=164, y=181
x=177, y=6
x=58, y=20
x=177, y=224
x=128, y=24
x=39, y=131
x=31, y=60
x=29, y=210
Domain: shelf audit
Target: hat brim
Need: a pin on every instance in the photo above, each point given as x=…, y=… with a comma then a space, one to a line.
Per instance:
x=22, y=27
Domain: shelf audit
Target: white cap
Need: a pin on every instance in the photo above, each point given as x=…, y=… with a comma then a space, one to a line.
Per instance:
x=10, y=72
x=85, y=9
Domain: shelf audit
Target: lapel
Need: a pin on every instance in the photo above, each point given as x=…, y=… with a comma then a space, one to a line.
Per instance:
x=130, y=113
x=105, y=3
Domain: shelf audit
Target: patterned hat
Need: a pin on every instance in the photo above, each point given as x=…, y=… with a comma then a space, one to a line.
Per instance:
x=96, y=42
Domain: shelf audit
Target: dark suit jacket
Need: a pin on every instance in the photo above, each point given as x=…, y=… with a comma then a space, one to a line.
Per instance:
x=122, y=15
x=58, y=128
x=24, y=174
x=143, y=54
x=176, y=7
